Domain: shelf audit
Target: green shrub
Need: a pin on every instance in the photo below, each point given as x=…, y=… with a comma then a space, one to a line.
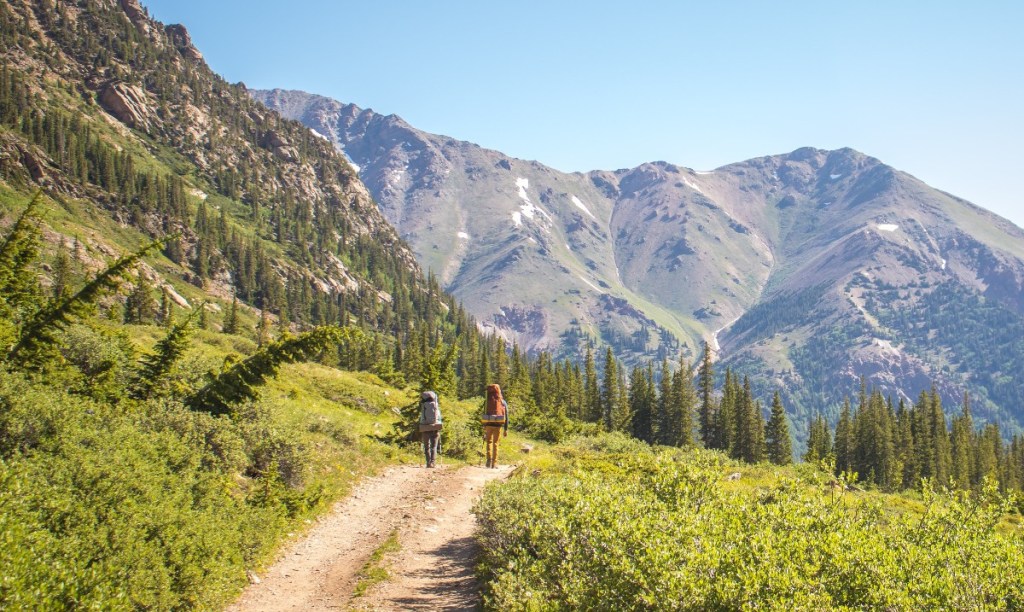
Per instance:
x=136, y=505
x=626, y=528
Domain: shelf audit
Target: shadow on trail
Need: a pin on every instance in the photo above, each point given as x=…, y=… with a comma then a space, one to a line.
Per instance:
x=450, y=579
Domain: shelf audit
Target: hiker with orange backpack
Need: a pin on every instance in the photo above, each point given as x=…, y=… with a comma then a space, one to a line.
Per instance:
x=494, y=419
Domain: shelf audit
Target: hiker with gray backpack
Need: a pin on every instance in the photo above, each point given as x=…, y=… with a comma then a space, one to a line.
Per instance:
x=430, y=426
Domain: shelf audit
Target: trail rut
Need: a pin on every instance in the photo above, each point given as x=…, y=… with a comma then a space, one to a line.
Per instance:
x=430, y=511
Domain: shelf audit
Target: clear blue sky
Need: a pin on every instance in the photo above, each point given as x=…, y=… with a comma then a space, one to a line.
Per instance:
x=932, y=88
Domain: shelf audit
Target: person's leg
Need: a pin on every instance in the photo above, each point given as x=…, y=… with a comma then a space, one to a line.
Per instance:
x=487, y=446
x=426, y=446
x=492, y=434
x=497, y=438
x=433, y=447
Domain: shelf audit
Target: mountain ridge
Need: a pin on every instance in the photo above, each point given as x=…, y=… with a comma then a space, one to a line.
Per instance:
x=656, y=259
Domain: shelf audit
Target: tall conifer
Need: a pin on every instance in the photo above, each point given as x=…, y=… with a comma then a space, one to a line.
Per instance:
x=706, y=390
x=780, y=445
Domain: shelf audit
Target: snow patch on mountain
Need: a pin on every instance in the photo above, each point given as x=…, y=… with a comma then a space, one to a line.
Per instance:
x=886, y=346
x=714, y=337
x=580, y=205
x=523, y=184
x=590, y=284
x=463, y=235
x=835, y=176
x=527, y=208
x=887, y=227
x=692, y=186
x=354, y=165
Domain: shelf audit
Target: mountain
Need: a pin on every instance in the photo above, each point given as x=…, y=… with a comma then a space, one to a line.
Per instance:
x=806, y=271
x=118, y=119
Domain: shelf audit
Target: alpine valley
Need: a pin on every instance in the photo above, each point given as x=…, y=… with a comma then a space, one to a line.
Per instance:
x=806, y=271
x=219, y=316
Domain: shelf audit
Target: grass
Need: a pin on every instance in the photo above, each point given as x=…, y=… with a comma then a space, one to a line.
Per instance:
x=376, y=571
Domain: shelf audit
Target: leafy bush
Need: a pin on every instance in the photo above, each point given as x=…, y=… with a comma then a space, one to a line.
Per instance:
x=622, y=528
x=136, y=505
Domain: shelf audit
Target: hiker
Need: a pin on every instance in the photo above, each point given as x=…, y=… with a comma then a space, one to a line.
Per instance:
x=495, y=418
x=430, y=426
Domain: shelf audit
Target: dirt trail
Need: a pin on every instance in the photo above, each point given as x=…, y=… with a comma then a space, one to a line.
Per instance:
x=433, y=570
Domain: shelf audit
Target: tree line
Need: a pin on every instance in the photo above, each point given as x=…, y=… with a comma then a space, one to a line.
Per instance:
x=896, y=446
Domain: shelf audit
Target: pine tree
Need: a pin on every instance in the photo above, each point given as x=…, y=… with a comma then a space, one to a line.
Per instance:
x=684, y=405
x=263, y=328
x=940, y=436
x=40, y=329
x=780, y=445
x=592, y=395
x=239, y=381
x=962, y=446
x=706, y=390
x=663, y=422
x=500, y=363
x=750, y=427
x=231, y=321
x=906, y=456
x=19, y=284
x=168, y=351
x=843, y=445
x=519, y=390
x=819, y=442
x=609, y=391
x=642, y=402
x=727, y=418
x=62, y=274
x=165, y=315
x=139, y=306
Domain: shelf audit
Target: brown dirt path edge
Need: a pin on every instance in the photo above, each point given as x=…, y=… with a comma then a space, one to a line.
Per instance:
x=430, y=509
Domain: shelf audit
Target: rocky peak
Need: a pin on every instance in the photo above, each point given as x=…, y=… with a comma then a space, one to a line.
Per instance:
x=182, y=41
x=137, y=15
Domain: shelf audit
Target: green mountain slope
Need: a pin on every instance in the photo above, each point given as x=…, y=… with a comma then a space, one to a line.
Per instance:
x=103, y=105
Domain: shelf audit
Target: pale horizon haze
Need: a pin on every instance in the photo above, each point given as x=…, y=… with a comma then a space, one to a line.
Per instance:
x=935, y=89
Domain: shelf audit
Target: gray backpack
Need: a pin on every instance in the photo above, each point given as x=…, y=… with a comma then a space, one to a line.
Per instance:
x=430, y=412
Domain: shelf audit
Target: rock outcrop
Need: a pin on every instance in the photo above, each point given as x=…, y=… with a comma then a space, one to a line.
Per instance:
x=182, y=41
x=127, y=103
x=280, y=146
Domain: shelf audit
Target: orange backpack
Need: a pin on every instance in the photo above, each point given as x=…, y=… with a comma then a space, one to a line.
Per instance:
x=494, y=411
